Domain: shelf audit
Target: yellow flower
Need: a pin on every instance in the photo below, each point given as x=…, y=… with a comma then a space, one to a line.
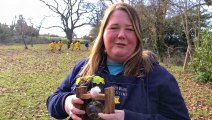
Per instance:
x=93, y=79
x=78, y=80
x=98, y=80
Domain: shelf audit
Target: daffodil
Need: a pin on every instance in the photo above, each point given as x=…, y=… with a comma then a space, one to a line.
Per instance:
x=87, y=79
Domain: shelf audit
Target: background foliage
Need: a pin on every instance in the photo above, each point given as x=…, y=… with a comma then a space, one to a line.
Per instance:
x=202, y=61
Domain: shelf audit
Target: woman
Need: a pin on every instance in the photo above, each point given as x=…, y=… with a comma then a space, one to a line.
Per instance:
x=145, y=90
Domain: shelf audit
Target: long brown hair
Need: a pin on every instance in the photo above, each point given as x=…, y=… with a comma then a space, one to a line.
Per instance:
x=134, y=64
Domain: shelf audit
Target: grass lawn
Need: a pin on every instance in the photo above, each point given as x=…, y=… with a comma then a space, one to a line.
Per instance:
x=28, y=77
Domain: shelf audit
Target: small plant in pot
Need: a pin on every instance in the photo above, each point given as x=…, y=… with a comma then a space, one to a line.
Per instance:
x=94, y=106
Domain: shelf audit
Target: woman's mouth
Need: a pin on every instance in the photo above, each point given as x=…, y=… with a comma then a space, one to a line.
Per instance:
x=121, y=44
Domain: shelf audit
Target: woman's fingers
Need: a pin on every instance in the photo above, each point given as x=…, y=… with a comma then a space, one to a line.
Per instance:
x=74, y=112
x=105, y=116
x=71, y=109
x=118, y=115
x=75, y=117
x=77, y=111
x=77, y=101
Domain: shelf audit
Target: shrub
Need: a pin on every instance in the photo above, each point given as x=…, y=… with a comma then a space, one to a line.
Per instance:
x=202, y=62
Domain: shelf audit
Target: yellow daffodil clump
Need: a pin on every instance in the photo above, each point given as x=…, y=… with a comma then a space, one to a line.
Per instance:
x=87, y=79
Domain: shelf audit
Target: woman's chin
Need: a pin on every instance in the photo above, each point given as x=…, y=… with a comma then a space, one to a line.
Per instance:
x=120, y=57
x=121, y=53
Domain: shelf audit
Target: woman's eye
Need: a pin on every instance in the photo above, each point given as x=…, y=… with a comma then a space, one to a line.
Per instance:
x=130, y=29
x=114, y=28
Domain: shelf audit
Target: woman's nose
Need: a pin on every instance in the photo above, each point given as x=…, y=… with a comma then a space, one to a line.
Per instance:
x=121, y=33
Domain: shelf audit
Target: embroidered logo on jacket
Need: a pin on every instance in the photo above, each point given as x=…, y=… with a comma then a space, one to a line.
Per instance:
x=116, y=100
x=120, y=91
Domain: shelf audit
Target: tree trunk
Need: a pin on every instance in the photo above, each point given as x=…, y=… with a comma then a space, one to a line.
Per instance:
x=199, y=26
x=24, y=41
x=31, y=40
x=188, y=53
x=160, y=14
x=160, y=48
x=69, y=35
x=185, y=26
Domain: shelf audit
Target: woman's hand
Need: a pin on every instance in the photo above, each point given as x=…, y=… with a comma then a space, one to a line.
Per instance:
x=70, y=109
x=118, y=115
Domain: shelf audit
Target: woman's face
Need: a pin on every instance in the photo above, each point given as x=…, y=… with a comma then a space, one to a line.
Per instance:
x=119, y=37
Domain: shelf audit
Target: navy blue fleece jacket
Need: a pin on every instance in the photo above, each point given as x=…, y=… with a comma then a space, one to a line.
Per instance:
x=155, y=96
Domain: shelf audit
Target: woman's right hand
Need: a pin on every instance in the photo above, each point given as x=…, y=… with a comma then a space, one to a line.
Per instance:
x=70, y=109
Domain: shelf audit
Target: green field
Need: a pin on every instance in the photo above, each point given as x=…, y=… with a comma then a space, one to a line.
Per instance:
x=28, y=77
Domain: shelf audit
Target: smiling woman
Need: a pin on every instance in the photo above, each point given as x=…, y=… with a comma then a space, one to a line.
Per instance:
x=119, y=37
x=143, y=88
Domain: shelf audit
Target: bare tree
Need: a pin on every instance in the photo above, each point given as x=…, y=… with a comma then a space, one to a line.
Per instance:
x=96, y=17
x=97, y=14
x=21, y=28
x=153, y=14
x=38, y=27
x=184, y=7
x=199, y=12
x=208, y=2
x=160, y=11
x=12, y=26
x=71, y=13
x=184, y=16
x=33, y=30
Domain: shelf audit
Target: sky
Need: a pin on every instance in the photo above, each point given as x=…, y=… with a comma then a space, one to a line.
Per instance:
x=34, y=10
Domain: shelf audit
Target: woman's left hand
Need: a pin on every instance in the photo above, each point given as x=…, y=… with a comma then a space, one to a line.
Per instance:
x=118, y=115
